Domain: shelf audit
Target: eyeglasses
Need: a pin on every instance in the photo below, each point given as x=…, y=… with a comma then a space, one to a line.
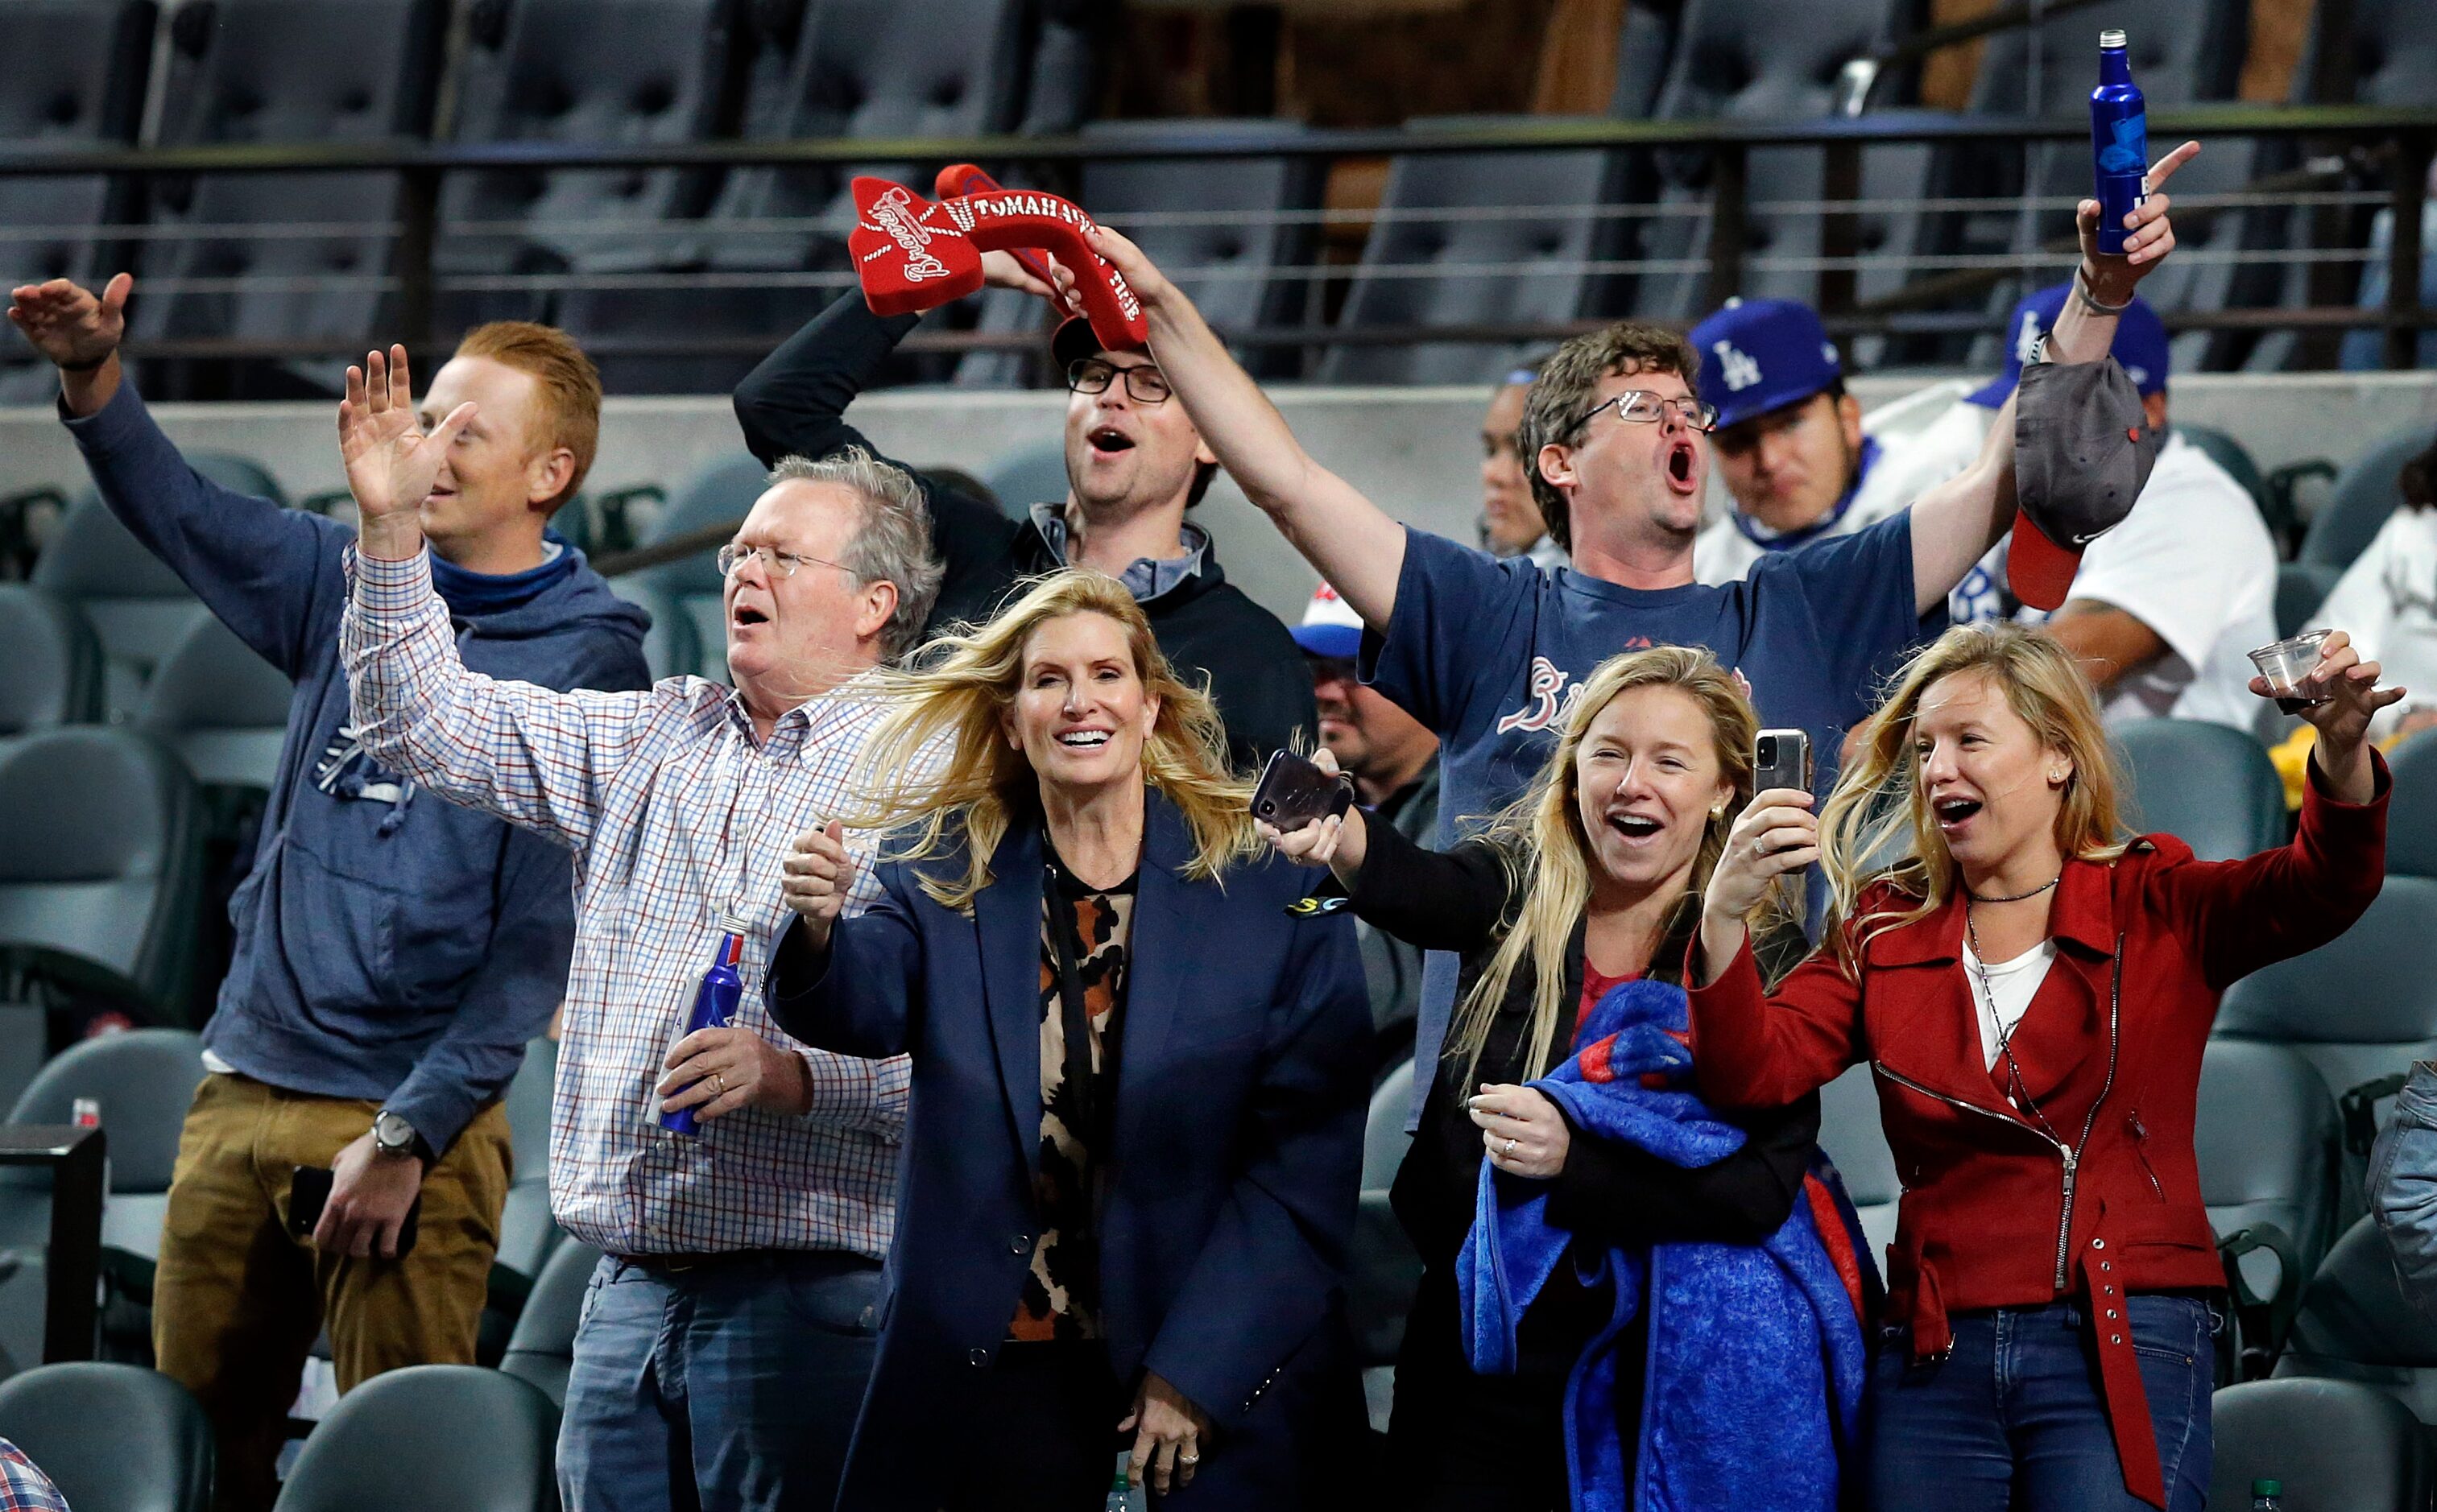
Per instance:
x=1144, y=383
x=1646, y=409
x=773, y=560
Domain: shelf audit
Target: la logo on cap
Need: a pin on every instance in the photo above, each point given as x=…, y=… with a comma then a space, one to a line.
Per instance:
x=2027, y=341
x=1735, y=366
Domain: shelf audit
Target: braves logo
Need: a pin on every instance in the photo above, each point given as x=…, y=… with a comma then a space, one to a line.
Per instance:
x=901, y=222
x=1549, y=696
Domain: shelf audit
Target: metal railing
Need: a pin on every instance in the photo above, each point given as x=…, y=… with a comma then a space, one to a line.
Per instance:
x=2342, y=149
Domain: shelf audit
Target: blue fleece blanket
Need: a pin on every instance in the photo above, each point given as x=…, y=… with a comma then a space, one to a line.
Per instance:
x=1757, y=1357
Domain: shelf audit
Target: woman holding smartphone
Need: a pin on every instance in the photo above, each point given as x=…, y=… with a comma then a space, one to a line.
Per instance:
x=1591, y=879
x=1139, y=1080
x=2032, y=986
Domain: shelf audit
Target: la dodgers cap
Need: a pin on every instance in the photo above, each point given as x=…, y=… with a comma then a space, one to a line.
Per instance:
x=2082, y=452
x=1759, y=354
x=2140, y=345
x=1331, y=627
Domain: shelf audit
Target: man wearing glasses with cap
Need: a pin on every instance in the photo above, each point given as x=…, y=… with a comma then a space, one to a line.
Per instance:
x=1136, y=466
x=2162, y=610
x=1489, y=654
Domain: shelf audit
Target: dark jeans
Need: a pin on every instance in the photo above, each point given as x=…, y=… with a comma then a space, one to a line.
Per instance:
x=1042, y=1432
x=732, y=1387
x=2014, y=1417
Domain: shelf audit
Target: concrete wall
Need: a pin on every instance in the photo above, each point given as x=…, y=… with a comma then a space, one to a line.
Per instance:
x=1417, y=451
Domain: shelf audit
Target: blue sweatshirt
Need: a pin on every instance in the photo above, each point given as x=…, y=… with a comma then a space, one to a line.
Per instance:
x=389, y=946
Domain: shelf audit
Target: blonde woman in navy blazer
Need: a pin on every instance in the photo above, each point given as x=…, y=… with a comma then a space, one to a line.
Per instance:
x=1230, y=1144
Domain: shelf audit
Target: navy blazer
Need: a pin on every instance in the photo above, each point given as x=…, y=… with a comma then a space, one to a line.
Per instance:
x=1237, y=1154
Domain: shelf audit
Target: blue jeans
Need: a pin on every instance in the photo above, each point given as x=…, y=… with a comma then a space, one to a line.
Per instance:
x=2403, y=1186
x=732, y=1387
x=2014, y=1417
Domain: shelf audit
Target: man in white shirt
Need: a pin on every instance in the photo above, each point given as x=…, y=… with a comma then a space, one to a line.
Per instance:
x=2168, y=604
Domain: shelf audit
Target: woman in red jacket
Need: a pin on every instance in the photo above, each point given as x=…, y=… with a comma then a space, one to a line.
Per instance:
x=2032, y=988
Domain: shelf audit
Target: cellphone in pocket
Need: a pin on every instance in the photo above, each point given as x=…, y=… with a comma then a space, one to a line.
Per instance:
x=1293, y=792
x=308, y=1192
x=1781, y=758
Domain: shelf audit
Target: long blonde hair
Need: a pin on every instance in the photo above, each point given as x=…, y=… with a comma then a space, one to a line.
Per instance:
x=956, y=693
x=1879, y=811
x=1547, y=856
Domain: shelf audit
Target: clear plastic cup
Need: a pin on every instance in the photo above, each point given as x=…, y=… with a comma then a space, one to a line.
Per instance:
x=2286, y=665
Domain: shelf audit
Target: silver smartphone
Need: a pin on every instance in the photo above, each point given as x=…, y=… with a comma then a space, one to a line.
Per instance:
x=1781, y=758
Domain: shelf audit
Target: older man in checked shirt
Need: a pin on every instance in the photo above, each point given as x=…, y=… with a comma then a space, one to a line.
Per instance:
x=728, y=1332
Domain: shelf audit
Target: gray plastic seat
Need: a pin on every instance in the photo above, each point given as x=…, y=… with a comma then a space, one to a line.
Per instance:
x=687, y=597
x=2332, y=1446
x=2365, y=494
x=155, y=1454
x=52, y=673
x=2271, y=1152
x=2302, y=588
x=2357, y=1325
x=1385, y=1270
x=1724, y=66
x=221, y=707
x=1028, y=475
x=100, y=858
x=2411, y=813
x=2208, y=785
x=2359, y=1009
x=455, y=1437
x=87, y=93
x=286, y=72
x=1851, y=1134
x=528, y=1235
x=1433, y=212
x=542, y=1349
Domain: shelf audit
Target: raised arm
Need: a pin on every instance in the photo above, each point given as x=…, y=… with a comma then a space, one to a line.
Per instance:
x=1352, y=542
x=1955, y=523
x=533, y=756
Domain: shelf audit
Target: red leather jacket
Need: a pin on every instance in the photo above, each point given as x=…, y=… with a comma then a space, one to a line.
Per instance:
x=1995, y=1212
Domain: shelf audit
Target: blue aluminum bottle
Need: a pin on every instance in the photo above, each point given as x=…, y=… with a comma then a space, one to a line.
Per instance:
x=2119, y=142
x=714, y=1003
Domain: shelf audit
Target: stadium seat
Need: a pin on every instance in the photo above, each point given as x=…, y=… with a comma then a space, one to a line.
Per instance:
x=52, y=675
x=1385, y=1271
x=220, y=706
x=1526, y=219
x=543, y=1346
x=2391, y=51
x=1850, y=1133
x=685, y=596
x=2271, y=1152
x=88, y=93
x=1029, y=475
x=2331, y=1446
x=2301, y=588
x=100, y=855
x=112, y=1437
x=428, y=1436
x=2209, y=784
x=2411, y=813
x=1724, y=67
x=2360, y=1010
x=581, y=71
x=527, y=1235
x=821, y=69
x=2357, y=1325
x=2365, y=494
x=285, y=72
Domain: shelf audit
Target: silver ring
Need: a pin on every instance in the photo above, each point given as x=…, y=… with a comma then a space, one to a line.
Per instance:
x=1510, y=1148
x=1188, y=1459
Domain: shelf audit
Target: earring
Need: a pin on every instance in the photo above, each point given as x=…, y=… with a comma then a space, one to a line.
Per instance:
x=1719, y=811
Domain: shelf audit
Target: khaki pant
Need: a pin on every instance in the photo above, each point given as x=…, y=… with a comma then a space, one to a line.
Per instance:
x=236, y=1301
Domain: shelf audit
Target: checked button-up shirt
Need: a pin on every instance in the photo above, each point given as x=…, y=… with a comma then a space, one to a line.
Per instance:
x=675, y=813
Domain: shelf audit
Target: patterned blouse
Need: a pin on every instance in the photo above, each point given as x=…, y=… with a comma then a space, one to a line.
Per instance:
x=1084, y=928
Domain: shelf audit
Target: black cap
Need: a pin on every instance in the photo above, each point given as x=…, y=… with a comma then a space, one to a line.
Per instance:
x=1072, y=341
x=2083, y=453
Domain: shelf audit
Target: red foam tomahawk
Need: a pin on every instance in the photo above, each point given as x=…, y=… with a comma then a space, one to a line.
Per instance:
x=914, y=253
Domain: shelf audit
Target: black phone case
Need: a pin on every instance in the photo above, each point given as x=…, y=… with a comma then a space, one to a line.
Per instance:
x=308, y=1192
x=1293, y=792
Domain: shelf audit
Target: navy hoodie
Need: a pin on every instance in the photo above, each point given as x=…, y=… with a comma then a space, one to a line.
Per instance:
x=389, y=946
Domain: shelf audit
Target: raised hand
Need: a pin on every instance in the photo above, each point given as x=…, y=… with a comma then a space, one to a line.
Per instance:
x=2349, y=685
x=77, y=331
x=1004, y=269
x=2111, y=279
x=814, y=879
x=1149, y=284
x=391, y=462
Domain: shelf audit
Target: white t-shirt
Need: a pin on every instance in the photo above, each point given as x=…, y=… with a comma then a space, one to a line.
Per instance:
x=2193, y=561
x=2011, y=985
x=2387, y=602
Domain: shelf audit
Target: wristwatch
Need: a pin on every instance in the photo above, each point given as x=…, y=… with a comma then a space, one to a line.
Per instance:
x=393, y=1135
